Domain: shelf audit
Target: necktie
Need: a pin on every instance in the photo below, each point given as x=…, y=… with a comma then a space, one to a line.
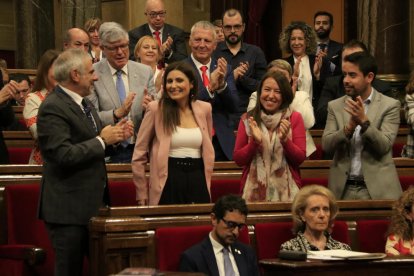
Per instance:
x=120, y=87
x=204, y=76
x=161, y=63
x=88, y=113
x=228, y=267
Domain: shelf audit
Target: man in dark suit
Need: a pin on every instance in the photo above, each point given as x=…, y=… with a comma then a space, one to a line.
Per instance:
x=334, y=87
x=215, y=85
x=72, y=143
x=323, y=24
x=221, y=254
x=170, y=38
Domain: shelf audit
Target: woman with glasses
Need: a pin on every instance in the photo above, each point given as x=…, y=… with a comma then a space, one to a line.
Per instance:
x=271, y=143
x=44, y=84
x=175, y=137
x=314, y=210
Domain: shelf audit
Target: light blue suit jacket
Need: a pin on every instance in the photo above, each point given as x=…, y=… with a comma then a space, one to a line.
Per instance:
x=105, y=97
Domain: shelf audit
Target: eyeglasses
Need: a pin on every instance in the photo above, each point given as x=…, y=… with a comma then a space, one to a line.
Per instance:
x=155, y=14
x=114, y=49
x=231, y=224
x=229, y=28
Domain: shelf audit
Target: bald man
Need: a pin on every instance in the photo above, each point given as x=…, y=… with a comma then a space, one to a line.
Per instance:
x=76, y=38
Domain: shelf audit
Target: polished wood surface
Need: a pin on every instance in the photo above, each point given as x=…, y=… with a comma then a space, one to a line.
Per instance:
x=398, y=266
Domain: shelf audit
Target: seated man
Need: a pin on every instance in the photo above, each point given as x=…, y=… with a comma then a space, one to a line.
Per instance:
x=220, y=253
x=25, y=87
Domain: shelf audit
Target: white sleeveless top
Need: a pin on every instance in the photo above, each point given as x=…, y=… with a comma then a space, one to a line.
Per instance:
x=186, y=142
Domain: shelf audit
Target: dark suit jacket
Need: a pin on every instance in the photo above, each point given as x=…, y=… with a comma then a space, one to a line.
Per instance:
x=74, y=174
x=334, y=89
x=178, y=47
x=200, y=258
x=6, y=119
x=334, y=52
x=224, y=105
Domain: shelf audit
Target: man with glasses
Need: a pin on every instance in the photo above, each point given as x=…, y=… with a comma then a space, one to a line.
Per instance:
x=248, y=61
x=76, y=38
x=221, y=253
x=124, y=87
x=170, y=38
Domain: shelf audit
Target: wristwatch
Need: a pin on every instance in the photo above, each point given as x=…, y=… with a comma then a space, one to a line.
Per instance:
x=365, y=125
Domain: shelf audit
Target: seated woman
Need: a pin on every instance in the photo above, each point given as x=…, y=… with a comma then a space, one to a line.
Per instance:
x=313, y=211
x=44, y=84
x=147, y=51
x=400, y=239
x=271, y=143
x=301, y=102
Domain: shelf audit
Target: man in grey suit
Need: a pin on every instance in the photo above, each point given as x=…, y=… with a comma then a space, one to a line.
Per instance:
x=360, y=130
x=124, y=87
x=170, y=38
x=72, y=143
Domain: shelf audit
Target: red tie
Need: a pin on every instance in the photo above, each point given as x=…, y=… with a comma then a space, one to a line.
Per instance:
x=206, y=81
x=157, y=37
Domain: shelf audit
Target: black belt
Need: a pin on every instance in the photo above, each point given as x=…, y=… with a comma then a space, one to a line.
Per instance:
x=174, y=162
x=355, y=182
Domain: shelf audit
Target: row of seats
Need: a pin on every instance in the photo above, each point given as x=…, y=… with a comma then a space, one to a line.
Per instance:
x=25, y=232
x=21, y=155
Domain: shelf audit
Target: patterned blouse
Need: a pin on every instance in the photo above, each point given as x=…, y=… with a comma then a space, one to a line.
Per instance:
x=397, y=246
x=300, y=243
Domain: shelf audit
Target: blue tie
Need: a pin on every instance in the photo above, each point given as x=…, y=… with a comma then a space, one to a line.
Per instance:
x=120, y=86
x=88, y=113
x=228, y=267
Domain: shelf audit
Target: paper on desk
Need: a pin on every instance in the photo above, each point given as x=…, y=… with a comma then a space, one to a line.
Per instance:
x=340, y=254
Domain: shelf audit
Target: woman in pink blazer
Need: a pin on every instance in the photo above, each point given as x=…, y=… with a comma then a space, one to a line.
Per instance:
x=176, y=136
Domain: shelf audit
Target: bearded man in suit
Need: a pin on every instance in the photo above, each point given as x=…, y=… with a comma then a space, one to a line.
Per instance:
x=360, y=130
x=72, y=142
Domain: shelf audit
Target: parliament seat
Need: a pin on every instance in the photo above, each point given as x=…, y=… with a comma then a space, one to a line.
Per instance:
x=221, y=187
x=122, y=193
x=171, y=242
x=19, y=155
x=372, y=235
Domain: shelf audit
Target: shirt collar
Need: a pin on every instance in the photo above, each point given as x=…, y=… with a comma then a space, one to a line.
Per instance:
x=199, y=64
x=123, y=69
x=217, y=247
x=153, y=30
x=75, y=96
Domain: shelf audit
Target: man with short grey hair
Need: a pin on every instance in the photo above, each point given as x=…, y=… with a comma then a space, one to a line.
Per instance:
x=72, y=141
x=124, y=87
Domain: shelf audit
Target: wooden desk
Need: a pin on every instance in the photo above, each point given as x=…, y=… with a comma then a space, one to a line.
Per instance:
x=390, y=266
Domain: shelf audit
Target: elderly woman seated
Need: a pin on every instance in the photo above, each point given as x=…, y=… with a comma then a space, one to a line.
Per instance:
x=400, y=239
x=313, y=210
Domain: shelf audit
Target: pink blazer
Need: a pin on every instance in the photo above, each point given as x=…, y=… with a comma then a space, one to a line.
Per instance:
x=153, y=141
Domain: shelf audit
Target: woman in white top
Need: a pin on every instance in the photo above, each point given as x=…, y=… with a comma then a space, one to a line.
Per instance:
x=92, y=27
x=175, y=135
x=44, y=84
x=301, y=102
x=147, y=51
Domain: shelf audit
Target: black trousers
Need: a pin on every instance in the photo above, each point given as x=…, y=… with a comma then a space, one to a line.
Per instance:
x=186, y=182
x=71, y=245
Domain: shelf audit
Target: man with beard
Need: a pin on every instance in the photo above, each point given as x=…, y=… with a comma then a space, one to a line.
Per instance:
x=248, y=61
x=323, y=24
x=360, y=131
x=221, y=253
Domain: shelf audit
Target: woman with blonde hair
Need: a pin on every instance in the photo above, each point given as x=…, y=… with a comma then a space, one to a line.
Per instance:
x=92, y=28
x=44, y=84
x=314, y=210
x=147, y=51
x=400, y=239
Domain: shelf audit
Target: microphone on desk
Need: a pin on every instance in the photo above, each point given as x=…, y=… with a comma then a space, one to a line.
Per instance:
x=292, y=255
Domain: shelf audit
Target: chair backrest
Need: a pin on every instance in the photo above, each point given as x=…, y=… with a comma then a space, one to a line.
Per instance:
x=323, y=181
x=406, y=181
x=372, y=235
x=340, y=232
x=270, y=236
x=221, y=187
x=171, y=242
x=19, y=155
x=122, y=193
x=23, y=226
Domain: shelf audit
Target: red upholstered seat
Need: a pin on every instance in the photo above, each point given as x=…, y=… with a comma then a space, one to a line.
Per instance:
x=221, y=187
x=269, y=236
x=317, y=154
x=372, y=235
x=19, y=155
x=172, y=241
x=406, y=181
x=397, y=149
x=122, y=193
x=315, y=180
x=24, y=231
